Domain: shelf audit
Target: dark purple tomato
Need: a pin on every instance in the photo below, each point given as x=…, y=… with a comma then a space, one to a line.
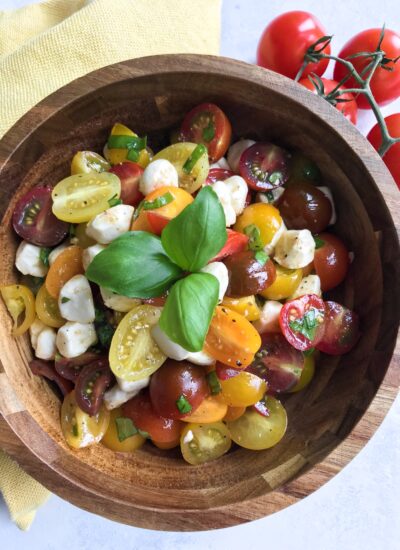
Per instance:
x=341, y=329
x=224, y=372
x=264, y=166
x=91, y=384
x=34, y=221
x=46, y=369
x=70, y=368
x=303, y=206
x=247, y=275
x=177, y=388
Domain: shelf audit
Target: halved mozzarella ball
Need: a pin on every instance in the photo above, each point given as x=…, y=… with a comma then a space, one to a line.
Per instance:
x=167, y=346
x=34, y=330
x=73, y=339
x=220, y=272
x=295, y=249
x=89, y=253
x=117, y=302
x=270, y=247
x=311, y=284
x=238, y=190
x=269, y=317
x=159, y=173
x=28, y=262
x=75, y=301
x=111, y=223
x=46, y=344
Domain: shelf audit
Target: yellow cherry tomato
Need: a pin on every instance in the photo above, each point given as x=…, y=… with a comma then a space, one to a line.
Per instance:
x=243, y=390
x=285, y=284
x=81, y=197
x=246, y=306
x=307, y=374
x=233, y=413
x=204, y=442
x=82, y=239
x=177, y=155
x=211, y=409
x=134, y=355
x=115, y=156
x=85, y=162
x=265, y=217
x=111, y=438
x=79, y=429
x=19, y=300
x=47, y=309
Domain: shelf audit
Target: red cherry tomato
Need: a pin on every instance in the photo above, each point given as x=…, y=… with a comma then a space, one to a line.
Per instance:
x=331, y=261
x=34, y=221
x=302, y=321
x=129, y=173
x=236, y=242
x=140, y=410
x=341, y=330
x=385, y=85
x=285, y=41
x=348, y=108
x=264, y=166
x=218, y=174
x=157, y=221
x=391, y=158
x=208, y=124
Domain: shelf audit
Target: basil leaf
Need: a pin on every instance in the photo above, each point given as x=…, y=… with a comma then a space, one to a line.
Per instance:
x=125, y=428
x=213, y=383
x=134, y=265
x=188, y=310
x=319, y=243
x=44, y=256
x=194, y=237
x=254, y=234
x=183, y=405
x=261, y=257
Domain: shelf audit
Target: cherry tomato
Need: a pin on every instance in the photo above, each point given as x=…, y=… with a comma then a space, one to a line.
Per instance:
x=71, y=368
x=341, y=330
x=116, y=156
x=19, y=300
x=224, y=372
x=285, y=41
x=64, y=267
x=257, y=432
x=246, y=306
x=391, y=158
x=129, y=174
x=143, y=415
x=47, y=370
x=260, y=219
x=264, y=166
x=160, y=216
x=302, y=321
x=307, y=374
x=201, y=443
x=34, y=221
x=92, y=382
x=236, y=242
x=231, y=338
x=208, y=124
x=218, y=174
x=247, y=275
x=278, y=363
x=47, y=309
x=385, y=84
x=85, y=162
x=177, y=389
x=168, y=445
x=233, y=413
x=286, y=282
x=112, y=440
x=243, y=390
x=303, y=206
x=348, y=108
x=211, y=409
x=331, y=261
x=301, y=169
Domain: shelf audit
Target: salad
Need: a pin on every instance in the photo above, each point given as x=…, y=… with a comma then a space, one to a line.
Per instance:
x=178, y=296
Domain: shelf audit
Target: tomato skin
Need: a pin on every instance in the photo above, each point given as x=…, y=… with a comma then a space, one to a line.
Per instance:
x=264, y=166
x=19, y=299
x=331, y=261
x=140, y=410
x=47, y=370
x=391, y=158
x=42, y=227
x=295, y=311
x=71, y=368
x=129, y=174
x=65, y=266
x=385, y=85
x=235, y=242
x=92, y=382
x=218, y=174
x=246, y=275
x=284, y=43
x=341, y=329
x=197, y=120
x=347, y=108
x=174, y=379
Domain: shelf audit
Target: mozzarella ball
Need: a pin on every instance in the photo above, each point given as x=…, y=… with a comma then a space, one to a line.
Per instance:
x=56, y=252
x=224, y=196
x=311, y=284
x=221, y=163
x=238, y=191
x=117, y=302
x=295, y=249
x=134, y=386
x=167, y=346
x=200, y=358
x=270, y=247
x=89, y=253
x=123, y=391
x=269, y=317
x=28, y=262
x=46, y=344
x=75, y=301
x=34, y=330
x=235, y=152
x=111, y=223
x=220, y=272
x=73, y=339
x=159, y=173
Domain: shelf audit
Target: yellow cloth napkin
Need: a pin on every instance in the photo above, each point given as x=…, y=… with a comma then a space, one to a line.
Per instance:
x=44, y=46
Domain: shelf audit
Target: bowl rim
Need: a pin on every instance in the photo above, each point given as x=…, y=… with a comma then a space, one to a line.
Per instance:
x=304, y=484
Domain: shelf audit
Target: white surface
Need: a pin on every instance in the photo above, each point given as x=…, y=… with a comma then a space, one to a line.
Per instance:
x=358, y=509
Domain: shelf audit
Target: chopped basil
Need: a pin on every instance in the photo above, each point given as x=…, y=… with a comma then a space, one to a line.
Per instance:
x=125, y=428
x=209, y=132
x=183, y=405
x=308, y=352
x=64, y=300
x=114, y=201
x=44, y=256
x=132, y=155
x=261, y=257
x=276, y=178
x=158, y=202
x=270, y=196
x=144, y=434
x=135, y=143
x=308, y=324
x=195, y=156
x=319, y=243
x=253, y=232
x=213, y=382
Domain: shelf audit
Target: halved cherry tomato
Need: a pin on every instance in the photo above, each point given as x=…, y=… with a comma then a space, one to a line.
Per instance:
x=204, y=442
x=247, y=275
x=208, y=124
x=307, y=374
x=302, y=321
x=129, y=174
x=391, y=158
x=81, y=197
x=242, y=390
x=92, y=382
x=19, y=300
x=70, y=368
x=278, y=363
x=34, y=221
x=218, y=174
x=116, y=156
x=159, y=217
x=331, y=261
x=261, y=219
x=286, y=282
x=79, y=429
x=143, y=415
x=47, y=370
x=236, y=242
x=233, y=413
x=231, y=338
x=85, y=162
x=47, y=309
x=64, y=267
x=211, y=409
x=348, y=108
x=264, y=166
x=224, y=372
x=141, y=223
x=341, y=330
x=178, y=388
x=246, y=306
x=112, y=440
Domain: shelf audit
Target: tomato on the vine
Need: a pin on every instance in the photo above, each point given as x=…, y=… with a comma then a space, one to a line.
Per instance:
x=302, y=321
x=331, y=261
x=391, y=158
x=348, y=107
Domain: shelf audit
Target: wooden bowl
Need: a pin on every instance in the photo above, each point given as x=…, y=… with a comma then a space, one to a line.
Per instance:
x=334, y=417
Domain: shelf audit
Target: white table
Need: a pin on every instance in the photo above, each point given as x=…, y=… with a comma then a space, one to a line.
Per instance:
x=357, y=510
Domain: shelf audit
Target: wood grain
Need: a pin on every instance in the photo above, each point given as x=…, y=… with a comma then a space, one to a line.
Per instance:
x=332, y=419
